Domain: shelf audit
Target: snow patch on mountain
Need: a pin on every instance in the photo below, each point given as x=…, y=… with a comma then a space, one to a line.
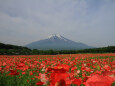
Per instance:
x=57, y=36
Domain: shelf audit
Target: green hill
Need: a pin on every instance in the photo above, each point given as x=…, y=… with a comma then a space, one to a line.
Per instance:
x=8, y=49
x=9, y=46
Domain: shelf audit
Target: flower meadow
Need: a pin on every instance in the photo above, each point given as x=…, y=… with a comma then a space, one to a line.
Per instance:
x=58, y=70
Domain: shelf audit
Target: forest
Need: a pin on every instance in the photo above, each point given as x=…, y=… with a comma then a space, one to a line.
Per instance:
x=8, y=49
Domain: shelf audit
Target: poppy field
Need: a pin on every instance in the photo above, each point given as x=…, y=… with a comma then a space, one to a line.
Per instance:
x=58, y=70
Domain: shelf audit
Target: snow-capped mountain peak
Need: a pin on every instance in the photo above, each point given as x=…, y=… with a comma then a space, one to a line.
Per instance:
x=57, y=36
x=57, y=42
x=54, y=35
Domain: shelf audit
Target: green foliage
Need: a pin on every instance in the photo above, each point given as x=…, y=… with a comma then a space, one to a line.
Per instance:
x=7, y=49
x=8, y=46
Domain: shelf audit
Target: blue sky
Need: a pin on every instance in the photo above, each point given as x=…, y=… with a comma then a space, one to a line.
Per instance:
x=88, y=21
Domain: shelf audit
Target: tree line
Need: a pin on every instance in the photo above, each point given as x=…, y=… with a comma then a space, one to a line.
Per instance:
x=7, y=49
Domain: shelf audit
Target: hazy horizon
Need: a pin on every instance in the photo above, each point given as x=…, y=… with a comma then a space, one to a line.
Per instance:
x=91, y=22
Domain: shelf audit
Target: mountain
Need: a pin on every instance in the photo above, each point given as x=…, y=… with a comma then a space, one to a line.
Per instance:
x=57, y=42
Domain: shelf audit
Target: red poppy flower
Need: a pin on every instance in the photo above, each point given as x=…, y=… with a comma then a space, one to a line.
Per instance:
x=107, y=73
x=39, y=83
x=23, y=72
x=73, y=68
x=13, y=72
x=106, y=67
x=77, y=82
x=57, y=77
x=30, y=73
x=113, y=63
x=99, y=80
x=0, y=68
x=62, y=66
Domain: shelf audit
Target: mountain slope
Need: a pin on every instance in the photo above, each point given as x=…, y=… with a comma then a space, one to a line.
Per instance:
x=57, y=42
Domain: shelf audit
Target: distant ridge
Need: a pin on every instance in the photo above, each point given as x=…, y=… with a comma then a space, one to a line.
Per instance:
x=57, y=42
